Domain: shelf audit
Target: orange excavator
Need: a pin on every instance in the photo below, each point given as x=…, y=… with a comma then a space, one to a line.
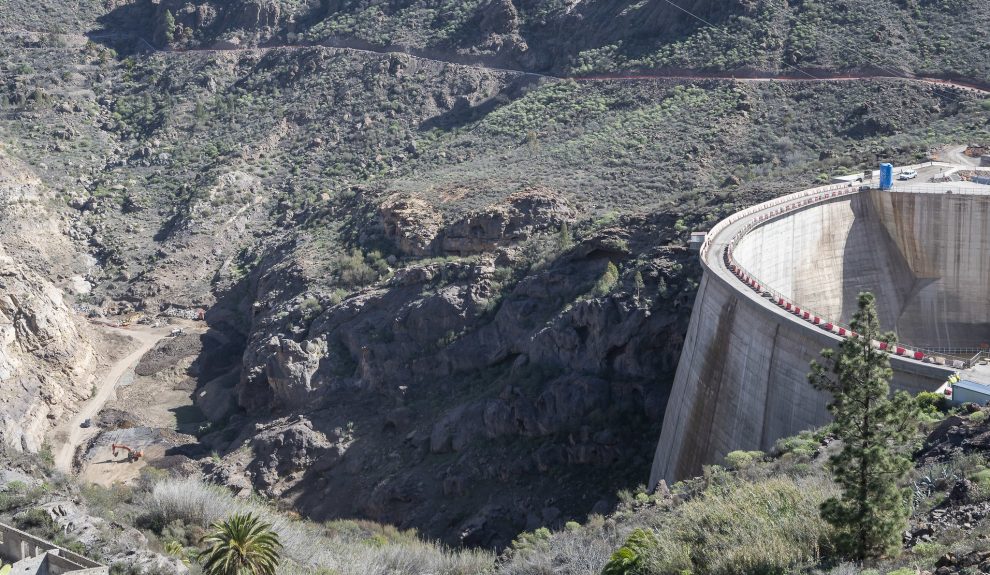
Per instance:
x=132, y=454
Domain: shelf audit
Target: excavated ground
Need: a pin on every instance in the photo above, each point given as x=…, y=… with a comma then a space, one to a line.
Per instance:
x=150, y=409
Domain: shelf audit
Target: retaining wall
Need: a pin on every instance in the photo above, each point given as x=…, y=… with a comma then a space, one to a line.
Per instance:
x=35, y=556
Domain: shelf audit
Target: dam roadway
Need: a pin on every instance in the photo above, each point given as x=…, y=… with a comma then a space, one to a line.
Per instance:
x=741, y=382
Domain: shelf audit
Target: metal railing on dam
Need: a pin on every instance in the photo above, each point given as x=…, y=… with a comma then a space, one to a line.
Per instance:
x=785, y=205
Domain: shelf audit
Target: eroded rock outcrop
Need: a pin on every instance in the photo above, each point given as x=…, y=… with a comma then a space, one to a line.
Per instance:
x=45, y=361
x=446, y=358
x=287, y=449
x=46, y=358
x=418, y=229
x=410, y=223
x=522, y=215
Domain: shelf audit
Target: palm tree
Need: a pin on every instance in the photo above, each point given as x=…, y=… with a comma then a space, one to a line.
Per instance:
x=241, y=545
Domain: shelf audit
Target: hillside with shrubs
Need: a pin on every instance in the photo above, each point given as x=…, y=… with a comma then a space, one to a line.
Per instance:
x=438, y=278
x=805, y=38
x=754, y=513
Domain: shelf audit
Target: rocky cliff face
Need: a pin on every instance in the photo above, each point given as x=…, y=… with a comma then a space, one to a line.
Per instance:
x=46, y=358
x=435, y=386
x=45, y=361
x=517, y=33
x=418, y=229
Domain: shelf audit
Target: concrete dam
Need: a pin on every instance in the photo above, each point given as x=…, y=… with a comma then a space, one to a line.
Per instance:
x=780, y=284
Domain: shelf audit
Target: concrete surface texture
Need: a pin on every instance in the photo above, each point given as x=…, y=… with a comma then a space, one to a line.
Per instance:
x=742, y=378
x=30, y=555
x=924, y=255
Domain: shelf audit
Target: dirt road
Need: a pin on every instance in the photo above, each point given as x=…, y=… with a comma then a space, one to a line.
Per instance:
x=956, y=155
x=146, y=338
x=974, y=86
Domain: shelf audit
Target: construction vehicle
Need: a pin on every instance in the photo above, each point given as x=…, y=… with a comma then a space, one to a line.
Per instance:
x=132, y=454
x=133, y=317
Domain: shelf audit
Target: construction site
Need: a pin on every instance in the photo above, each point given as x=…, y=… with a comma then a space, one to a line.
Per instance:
x=141, y=407
x=781, y=283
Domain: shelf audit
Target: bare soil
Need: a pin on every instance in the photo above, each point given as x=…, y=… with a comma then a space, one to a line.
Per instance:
x=147, y=406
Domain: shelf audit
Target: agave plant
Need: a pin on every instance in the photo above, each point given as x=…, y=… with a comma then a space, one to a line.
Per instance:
x=175, y=549
x=241, y=545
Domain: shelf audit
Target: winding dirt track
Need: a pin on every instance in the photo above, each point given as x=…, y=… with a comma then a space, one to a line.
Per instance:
x=980, y=87
x=146, y=338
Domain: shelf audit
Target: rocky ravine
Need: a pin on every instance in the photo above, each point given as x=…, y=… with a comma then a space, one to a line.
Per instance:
x=47, y=355
x=432, y=396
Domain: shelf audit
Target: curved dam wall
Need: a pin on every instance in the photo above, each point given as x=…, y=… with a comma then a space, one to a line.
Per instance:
x=926, y=257
x=742, y=378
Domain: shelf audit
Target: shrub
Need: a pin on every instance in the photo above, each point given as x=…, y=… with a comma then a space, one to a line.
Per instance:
x=357, y=269
x=928, y=549
x=978, y=416
x=607, y=282
x=177, y=508
x=531, y=540
x=741, y=527
x=310, y=308
x=630, y=559
x=982, y=480
x=804, y=444
x=930, y=404
x=742, y=459
x=38, y=522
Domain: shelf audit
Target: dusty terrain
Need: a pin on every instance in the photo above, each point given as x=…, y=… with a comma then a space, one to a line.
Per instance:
x=147, y=409
x=72, y=430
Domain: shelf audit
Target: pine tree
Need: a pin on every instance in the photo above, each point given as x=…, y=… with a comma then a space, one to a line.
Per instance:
x=169, y=26
x=564, y=239
x=876, y=431
x=638, y=283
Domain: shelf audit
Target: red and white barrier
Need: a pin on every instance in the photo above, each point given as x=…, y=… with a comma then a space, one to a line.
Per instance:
x=789, y=203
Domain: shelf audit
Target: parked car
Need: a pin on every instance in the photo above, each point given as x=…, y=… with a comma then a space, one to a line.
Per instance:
x=908, y=175
x=87, y=423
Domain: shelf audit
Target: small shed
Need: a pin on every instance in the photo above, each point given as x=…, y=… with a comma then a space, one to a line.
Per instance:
x=966, y=391
x=697, y=240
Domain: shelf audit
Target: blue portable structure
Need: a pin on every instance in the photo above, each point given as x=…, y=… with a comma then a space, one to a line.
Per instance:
x=886, y=176
x=966, y=391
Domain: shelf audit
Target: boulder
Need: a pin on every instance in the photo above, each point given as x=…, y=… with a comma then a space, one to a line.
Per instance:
x=291, y=447
x=410, y=223
x=524, y=213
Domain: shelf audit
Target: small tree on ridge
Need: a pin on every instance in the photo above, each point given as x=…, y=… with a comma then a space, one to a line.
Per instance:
x=876, y=431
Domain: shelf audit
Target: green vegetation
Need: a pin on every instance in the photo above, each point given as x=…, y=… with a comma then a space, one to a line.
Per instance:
x=241, y=545
x=357, y=269
x=631, y=558
x=169, y=26
x=606, y=283
x=876, y=433
x=266, y=168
